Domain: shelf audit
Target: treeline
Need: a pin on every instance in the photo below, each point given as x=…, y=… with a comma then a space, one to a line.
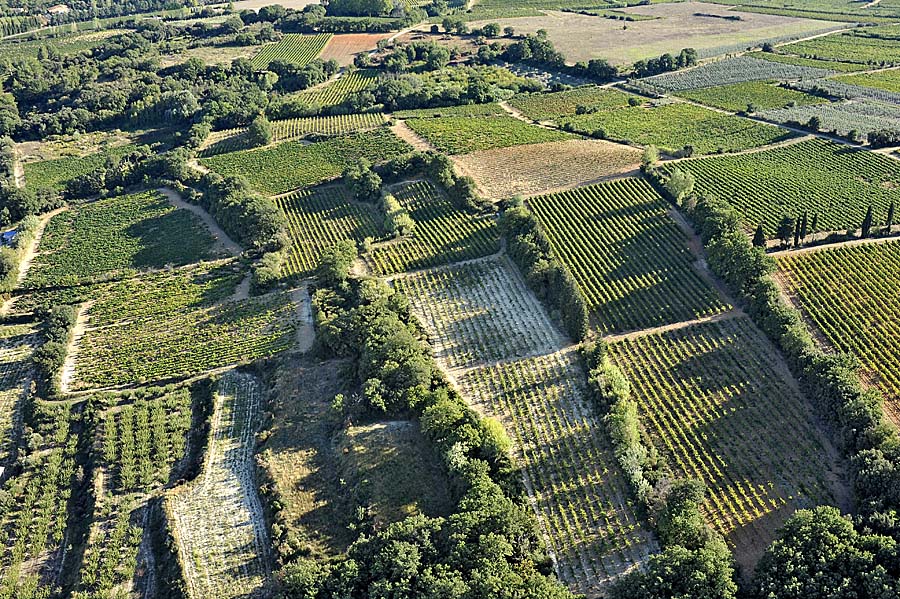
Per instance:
x=529, y=247
x=489, y=546
x=695, y=561
x=51, y=355
x=537, y=50
x=665, y=63
x=831, y=381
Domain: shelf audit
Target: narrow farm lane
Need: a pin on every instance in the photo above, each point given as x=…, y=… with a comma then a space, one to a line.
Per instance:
x=840, y=244
x=220, y=236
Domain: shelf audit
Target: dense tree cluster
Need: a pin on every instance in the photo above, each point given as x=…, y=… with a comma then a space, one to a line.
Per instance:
x=665, y=63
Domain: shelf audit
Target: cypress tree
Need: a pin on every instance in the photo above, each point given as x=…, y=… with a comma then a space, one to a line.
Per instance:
x=890, y=217
x=759, y=239
x=803, y=230
x=867, y=223
x=797, y=233
x=815, y=223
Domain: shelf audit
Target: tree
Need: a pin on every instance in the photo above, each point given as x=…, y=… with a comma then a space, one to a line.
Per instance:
x=363, y=182
x=814, y=123
x=797, y=234
x=815, y=223
x=803, y=225
x=651, y=156
x=867, y=223
x=509, y=31
x=890, y=218
x=759, y=238
x=260, y=132
x=335, y=263
x=491, y=30
x=785, y=230
x=679, y=185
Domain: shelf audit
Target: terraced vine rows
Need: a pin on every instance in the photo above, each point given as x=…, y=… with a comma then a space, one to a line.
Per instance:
x=443, y=232
x=852, y=295
x=574, y=485
x=832, y=180
x=478, y=313
x=628, y=256
x=218, y=519
x=293, y=47
x=320, y=217
x=720, y=406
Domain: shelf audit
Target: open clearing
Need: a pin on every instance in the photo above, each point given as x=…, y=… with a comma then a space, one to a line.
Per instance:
x=581, y=37
x=544, y=168
x=218, y=519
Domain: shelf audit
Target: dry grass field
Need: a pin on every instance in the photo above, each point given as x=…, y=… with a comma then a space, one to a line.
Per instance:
x=582, y=37
x=545, y=168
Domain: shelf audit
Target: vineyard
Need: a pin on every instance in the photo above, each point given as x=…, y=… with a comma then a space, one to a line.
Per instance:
x=733, y=70
x=848, y=91
x=53, y=174
x=461, y=135
x=762, y=95
x=34, y=518
x=217, y=519
x=888, y=81
x=490, y=109
x=295, y=164
x=17, y=341
x=629, y=257
x=320, y=217
x=799, y=61
x=332, y=94
x=443, y=232
x=293, y=47
x=477, y=313
x=177, y=324
x=841, y=117
x=848, y=47
x=232, y=140
x=541, y=168
x=117, y=235
x=830, y=180
x=706, y=395
x=547, y=106
x=852, y=295
x=672, y=126
x=574, y=485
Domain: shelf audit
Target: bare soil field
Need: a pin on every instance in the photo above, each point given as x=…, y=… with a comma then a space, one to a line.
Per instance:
x=343, y=47
x=582, y=37
x=546, y=168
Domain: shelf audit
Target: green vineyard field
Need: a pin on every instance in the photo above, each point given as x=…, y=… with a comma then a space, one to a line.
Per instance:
x=547, y=106
x=293, y=47
x=628, y=256
x=461, y=135
x=335, y=92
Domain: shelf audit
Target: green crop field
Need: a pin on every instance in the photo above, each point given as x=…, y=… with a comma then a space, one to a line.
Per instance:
x=173, y=325
x=293, y=47
x=861, y=48
x=489, y=109
x=443, y=233
x=762, y=95
x=628, y=256
x=294, y=164
x=828, y=65
x=834, y=181
x=335, y=92
x=117, y=235
x=886, y=80
x=852, y=295
x=706, y=395
x=233, y=140
x=672, y=126
x=461, y=135
x=734, y=70
x=547, y=106
x=54, y=174
x=319, y=218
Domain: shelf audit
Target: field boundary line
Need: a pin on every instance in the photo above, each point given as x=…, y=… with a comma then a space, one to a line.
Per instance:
x=442, y=267
x=406, y=133
x=27, y=257
x=720, y=317
x=832, y=246
x=18, y=170
x=212, y=226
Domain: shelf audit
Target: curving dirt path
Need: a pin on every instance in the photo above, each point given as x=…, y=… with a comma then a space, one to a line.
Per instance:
x=18, y=170
x=31, y=250
x=68, y=369
x=220, y=236
x=403, y=131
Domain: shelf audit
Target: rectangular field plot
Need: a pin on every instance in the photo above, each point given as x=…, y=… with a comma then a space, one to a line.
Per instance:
x=461, y=135
x=573, y=482
x=177, y=324
x=834, y=181
x=479, y=312
x=848, y=47
x=628, y=256
x=17, y=342
x=319, y=218
x=541, y=106
x=293, y=47
x=841, y=117
x=762, y=95
x=852, y=296
x=720, y=406
x=888, y=81
x=733, y=70
x=217, y=519
x=672, y=126
x=443, y=233
x=54, y=174
x=117, y=235
x=296, y=164
x=543, y=168
x=335, y=92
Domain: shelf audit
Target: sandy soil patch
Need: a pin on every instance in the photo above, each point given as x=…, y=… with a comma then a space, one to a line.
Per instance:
x=582, y=37
x=343, y=47
x=402, y=130
x=545, y=168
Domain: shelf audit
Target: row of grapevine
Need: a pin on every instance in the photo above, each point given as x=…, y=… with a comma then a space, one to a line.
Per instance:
x=823, y=178
x=480, y=312
x=733, y=70
x=722, y=408
x=318, y=218
x=296, y=48
x=218, y=518
x=852, y=295
x=842, y=117
x=629, y=257
x=443, y=233
x=335, y=92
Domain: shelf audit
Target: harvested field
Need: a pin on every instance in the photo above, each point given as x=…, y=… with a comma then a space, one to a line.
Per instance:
x=548, y=167
x=582, y=37
x=345, y=46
